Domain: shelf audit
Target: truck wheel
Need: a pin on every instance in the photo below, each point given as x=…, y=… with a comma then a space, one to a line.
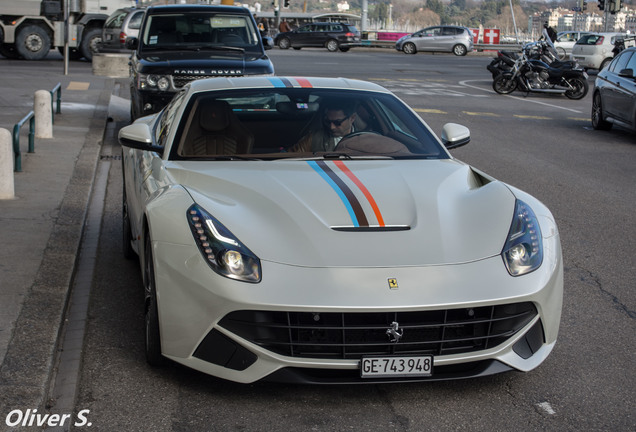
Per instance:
x=90, y=39
x=32, y=42
x=9, y=51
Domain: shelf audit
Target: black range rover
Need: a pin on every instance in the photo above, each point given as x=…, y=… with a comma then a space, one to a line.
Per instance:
x=181, y=43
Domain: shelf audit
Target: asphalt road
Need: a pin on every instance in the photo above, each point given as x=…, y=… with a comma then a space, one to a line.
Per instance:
x=543, y=145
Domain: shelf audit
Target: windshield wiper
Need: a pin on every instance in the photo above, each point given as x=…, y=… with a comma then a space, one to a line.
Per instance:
x=212, y=48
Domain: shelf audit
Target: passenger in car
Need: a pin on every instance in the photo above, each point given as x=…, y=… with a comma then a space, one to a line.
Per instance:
x=337, y=120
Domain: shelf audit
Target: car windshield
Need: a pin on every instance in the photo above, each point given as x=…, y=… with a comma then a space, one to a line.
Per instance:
x=197, y=30
x=281, y=123
x=592, y=39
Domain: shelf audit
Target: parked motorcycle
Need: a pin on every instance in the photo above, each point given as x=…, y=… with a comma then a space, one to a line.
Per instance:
x=532, y=75
x=538, y=50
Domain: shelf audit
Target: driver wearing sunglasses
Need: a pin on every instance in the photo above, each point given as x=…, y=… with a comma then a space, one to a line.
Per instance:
x=337, y=121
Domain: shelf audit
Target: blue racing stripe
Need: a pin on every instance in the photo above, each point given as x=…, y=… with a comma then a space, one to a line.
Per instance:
x=335, y=187
x=276, y=82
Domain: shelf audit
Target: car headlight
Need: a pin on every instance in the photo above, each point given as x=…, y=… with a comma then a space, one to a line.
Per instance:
x=223, y=252
x=523, y=251
x=152, y=81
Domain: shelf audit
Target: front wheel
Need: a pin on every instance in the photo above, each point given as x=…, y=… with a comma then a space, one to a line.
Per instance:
x=409, y=48
x=579, y=89
x=460, y=50
x=151, y=310
x=32, y=42
x=504, y=84
x=332, y=45
x=598, y=122
x=284, y=43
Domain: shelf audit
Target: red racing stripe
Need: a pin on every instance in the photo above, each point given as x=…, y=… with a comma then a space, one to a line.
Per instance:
x=363, y=188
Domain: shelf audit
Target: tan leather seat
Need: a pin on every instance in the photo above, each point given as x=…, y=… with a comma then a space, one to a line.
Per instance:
x=218, y=132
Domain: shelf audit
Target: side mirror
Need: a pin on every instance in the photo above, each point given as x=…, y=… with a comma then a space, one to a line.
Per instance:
x=138, y=136
x=132, y=43
x=455, y=135
x=626, y=73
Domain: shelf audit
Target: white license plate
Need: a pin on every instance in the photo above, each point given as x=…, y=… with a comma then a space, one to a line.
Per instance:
x=414, y=366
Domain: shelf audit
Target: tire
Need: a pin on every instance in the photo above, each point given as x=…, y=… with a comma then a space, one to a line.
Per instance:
x=284, y=43
x=581, y=87
x=127, y=249
x=460, y=50
x=504, y=84
x=332, y=45
x=32, y=42
x=409, y=48
x=151, y=311
x=604, y=63
x=597, y=114
x=9, y=51
x=561, y=53
x=90, y=39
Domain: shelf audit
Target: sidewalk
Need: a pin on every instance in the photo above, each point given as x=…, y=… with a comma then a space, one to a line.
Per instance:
x=40, y=230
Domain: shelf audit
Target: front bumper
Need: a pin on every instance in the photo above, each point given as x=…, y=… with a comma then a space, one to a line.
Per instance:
x=195, y=305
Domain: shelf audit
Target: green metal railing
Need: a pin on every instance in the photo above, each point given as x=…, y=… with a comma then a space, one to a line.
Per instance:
x=17, y=154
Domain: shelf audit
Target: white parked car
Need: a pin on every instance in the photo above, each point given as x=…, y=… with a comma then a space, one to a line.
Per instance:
x=565, y=42
x=594, y=51
x=383, y=259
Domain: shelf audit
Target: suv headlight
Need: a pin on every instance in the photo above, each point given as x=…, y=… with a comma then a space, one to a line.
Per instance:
x=153, y=81
x=523, y=251
x=223, y=252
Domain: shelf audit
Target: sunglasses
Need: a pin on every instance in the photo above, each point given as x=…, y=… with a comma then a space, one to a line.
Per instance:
x=336, y=123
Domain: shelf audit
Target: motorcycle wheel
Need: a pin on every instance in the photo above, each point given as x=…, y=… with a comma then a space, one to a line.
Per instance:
x=580, y=88
x=504, y=84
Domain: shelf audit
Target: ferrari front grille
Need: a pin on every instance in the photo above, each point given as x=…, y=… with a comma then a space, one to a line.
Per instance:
x=351, y=335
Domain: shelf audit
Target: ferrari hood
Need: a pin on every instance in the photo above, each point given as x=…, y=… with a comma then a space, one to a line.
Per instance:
x=355, y=213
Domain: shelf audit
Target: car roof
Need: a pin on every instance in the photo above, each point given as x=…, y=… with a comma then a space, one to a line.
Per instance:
x=223, y=83
x=175, y=8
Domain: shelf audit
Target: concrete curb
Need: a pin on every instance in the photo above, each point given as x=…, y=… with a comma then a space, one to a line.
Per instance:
x=27, y=370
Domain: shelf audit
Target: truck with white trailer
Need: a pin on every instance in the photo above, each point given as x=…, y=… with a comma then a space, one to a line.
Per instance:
x=29, y=29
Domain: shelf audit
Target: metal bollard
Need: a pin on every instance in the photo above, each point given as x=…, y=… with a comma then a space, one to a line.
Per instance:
x=43, y=114
x=7, y=185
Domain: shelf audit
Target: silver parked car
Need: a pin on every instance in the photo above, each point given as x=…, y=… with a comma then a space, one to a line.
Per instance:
x=455, y=39
x=121, y=24
x=565, y=41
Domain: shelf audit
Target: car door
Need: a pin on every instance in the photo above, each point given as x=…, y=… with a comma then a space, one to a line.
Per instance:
x=427, y=40
x=619, y=96
x=304, y=36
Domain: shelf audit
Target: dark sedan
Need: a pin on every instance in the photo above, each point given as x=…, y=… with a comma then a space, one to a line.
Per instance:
x=614, y=100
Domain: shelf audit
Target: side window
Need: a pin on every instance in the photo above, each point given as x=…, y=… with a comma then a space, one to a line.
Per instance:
x=168, y=117
x=135, y=20
x=620, y=63
x=631, y=64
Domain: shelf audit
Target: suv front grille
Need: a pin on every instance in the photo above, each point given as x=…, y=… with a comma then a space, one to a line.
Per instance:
x=351, y=335
x=181, y=80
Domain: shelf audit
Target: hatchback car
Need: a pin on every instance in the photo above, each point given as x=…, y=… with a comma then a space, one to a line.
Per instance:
x=565, y=41
x=123, y=23
x=455, y=39
x=614, y=99
x=383, y=259
x=333, y=36
x=595, y=50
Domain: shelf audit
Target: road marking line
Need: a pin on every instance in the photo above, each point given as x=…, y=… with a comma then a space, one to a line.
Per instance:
x=533, y=117
x=483, y=114
x=518, y=98
x=430, y=111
